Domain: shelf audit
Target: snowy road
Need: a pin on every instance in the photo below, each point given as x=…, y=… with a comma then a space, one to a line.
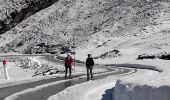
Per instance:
x=43, y=89
x=6, y=91
x=45, y=92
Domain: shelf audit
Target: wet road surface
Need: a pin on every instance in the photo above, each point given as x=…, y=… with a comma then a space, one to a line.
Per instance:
x=6, y=91
x=44, y=93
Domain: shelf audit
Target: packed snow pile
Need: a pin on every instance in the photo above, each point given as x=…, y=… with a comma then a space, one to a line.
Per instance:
x=134, y=91
x=154, y=87
x=41, y=67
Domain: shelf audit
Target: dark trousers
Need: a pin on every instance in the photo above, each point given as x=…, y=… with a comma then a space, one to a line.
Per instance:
x=66, y=70
x=89, y=72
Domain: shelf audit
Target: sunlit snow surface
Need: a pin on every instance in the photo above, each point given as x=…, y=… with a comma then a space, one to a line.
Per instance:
x=146, y=35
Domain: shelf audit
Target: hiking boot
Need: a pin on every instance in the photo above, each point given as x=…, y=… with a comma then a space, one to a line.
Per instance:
x=70, y=77
x=88, y=79
x=65, y=76
x=92, y=78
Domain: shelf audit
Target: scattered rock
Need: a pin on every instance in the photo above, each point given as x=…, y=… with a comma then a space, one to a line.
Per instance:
x=161, y=55
x=110, y=54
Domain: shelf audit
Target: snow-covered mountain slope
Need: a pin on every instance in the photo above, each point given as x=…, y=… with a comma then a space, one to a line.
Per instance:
x=98, y=23
x=13, y=12
x=103, y=27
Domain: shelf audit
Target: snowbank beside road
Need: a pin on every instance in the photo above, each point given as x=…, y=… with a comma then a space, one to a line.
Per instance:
x=134, y=91
x=155, y=87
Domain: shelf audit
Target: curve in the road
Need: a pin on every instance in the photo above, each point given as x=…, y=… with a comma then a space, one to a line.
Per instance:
x=43, y=92
x=7, y=91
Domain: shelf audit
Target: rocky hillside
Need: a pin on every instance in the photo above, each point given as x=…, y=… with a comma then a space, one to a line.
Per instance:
x=99, y=23
x=13, y=12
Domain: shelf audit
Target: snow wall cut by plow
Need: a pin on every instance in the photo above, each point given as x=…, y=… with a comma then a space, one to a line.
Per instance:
x=132, y=91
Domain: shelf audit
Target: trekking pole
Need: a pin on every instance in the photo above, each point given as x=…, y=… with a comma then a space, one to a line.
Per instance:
x=74, y=54
x=74, y=63
x=74, y=60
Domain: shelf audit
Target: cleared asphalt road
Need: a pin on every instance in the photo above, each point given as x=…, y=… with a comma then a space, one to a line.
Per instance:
x=44, y=93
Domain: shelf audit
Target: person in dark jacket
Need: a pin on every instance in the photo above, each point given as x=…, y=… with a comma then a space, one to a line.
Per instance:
x=89, y=66
x=68, y=65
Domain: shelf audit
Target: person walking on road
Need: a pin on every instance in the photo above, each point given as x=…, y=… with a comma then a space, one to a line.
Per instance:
x=89, y=67
x=68, y=65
